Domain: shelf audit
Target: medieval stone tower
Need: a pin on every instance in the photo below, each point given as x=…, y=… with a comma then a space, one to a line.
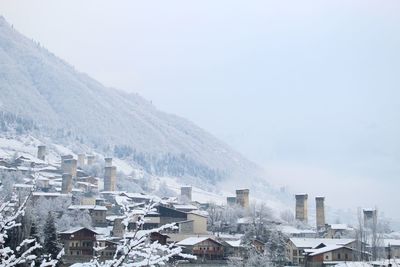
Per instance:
x=186, y=193
x=242, y=198
x=66, y=186
x=320, y=209
x=110, y=178
x=302, y=208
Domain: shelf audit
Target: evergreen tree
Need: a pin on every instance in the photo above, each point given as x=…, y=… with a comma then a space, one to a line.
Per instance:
x=51, y=246
x=34, y=234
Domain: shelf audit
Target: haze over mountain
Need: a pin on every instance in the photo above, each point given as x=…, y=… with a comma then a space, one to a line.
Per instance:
x=60, y=102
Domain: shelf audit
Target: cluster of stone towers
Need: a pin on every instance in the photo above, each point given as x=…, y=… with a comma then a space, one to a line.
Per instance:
x=241, y=199
x=302, y=210
x=69, y=169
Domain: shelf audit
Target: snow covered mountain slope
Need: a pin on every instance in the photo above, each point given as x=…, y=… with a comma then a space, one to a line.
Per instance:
x=44, y=96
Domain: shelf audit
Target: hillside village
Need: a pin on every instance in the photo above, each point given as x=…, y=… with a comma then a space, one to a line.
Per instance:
x=92, y=212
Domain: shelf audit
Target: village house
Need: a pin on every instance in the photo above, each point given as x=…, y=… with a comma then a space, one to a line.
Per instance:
x=338, y=230
x=329, y=255
x=78, y=245
x=205, y=248
x=392, y=248
x=296, y=247
x=106, y=248
x=234, y=248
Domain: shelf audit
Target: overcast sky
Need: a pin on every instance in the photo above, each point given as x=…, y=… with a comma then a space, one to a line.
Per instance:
x=310, y=90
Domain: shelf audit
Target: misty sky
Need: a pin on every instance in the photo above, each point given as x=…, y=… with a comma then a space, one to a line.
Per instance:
x=310, y=90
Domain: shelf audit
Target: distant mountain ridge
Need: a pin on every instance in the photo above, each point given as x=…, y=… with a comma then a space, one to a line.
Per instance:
x=43, y=94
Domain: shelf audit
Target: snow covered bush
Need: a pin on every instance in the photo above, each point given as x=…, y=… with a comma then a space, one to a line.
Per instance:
x=136, y=248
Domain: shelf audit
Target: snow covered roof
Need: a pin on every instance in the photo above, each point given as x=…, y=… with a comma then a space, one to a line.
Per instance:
x=87, y=207
x=354, y=264
x=329, y=248
x=340, y=226
x=293, y=230
x=50, y=194
x=138, y=195
x=244, y=220
x=234, y=243
x=23, y=185
x=185, y=207
x=191, y=241
x=201, y=213
x=314, y=242
x=74, y=230
x=391, y=242
x=112, y=218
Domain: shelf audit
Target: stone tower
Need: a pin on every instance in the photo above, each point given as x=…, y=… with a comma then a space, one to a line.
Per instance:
x=90, y=159
x=110, y=178
x=186, y=193
x=69, y=166
x=302, y=208
x=242, y=198
x=66, y=186
x=81, y=160
x=320, y=209
x=370, y=218
x=108, y=162
x=41, y=152
x=118, y=229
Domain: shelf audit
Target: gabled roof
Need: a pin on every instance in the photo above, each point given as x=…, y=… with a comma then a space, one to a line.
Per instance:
x=329, y=248
x=191, y=241
x=314, y=242
x=87, y=207
x=77, y=229
x=234, y=243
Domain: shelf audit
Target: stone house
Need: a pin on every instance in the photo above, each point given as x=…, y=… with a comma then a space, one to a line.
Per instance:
x=78, y=245
x=205, y=248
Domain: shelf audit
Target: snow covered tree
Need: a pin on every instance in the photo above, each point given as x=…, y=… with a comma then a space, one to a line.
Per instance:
x=51, y=247
x=74, y=218
x=214, y=217
x=11, y=212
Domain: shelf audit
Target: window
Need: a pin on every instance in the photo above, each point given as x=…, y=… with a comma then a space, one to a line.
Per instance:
x=338, y=256
x=346, y=256
x=326, y=257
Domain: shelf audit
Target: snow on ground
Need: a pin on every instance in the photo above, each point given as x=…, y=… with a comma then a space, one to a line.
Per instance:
x=123, y=166
x=27, y=146
x=23, y=144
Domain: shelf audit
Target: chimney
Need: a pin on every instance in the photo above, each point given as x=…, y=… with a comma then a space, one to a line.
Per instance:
x=242, y=198
x=302, y=208
x=320, y=208
x=110, y=177
x=66, y=186
x=186, y=193
x=41, y=152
